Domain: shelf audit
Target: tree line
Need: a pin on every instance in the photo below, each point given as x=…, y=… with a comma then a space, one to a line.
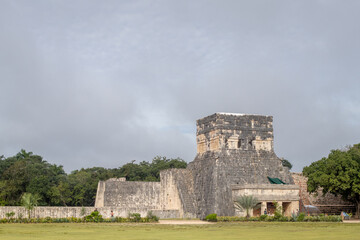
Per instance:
x=29, y=173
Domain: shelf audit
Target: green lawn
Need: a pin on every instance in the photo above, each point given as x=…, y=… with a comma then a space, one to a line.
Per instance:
x=223, y=231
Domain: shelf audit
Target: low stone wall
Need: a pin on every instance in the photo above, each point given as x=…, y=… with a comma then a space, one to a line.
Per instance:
x=53, y=212
x=63, y=212
x=164, y=214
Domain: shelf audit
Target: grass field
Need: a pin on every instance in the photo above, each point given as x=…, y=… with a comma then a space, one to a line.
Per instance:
x=223, y=231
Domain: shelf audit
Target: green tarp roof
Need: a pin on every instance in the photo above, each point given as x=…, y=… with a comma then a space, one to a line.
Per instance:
x=275, y=181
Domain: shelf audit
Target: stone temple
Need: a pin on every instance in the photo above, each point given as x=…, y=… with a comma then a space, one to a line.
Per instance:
x=235, y=156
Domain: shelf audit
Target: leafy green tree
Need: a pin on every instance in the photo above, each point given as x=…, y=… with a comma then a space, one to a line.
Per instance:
x=61, y=194
x=83, y=184
x=145, y=171
x=29, y=201
x=246, y=203
x=26, y=172
x=338, y=174
x=3, y=192
x=133, y=172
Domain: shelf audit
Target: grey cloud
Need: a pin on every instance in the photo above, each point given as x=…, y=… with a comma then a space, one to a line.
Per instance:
x=91, y=83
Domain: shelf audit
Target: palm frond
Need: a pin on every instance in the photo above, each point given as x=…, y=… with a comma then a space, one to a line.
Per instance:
x=245, y=203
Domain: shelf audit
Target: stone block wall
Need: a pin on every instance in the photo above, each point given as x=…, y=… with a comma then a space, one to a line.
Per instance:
x=133, y=195
x=232, y=149
x=42, y=212
x=234, y=131
x=301, y=181
x=328, y=203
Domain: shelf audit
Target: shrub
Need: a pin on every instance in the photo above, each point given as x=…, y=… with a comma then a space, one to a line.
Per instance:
x=300, y=217
x=9, y=214
x=253, y=219
x=293, y=217
x=134, y=217
x=283, y=219
x=231, y=219
x=120, y=219
x=94, y=217
x=263, y=217
x=211, y=217
x=151, y=217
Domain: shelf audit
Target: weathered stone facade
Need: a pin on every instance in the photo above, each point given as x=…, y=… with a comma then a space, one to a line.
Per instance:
x=233, y=150
x=327, y=203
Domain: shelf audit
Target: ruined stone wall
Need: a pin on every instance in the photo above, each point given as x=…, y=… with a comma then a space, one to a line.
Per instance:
x=328, y=203
x=232, y=149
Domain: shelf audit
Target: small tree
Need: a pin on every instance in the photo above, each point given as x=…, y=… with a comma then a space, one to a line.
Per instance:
x=246, y=203
x=29, y=201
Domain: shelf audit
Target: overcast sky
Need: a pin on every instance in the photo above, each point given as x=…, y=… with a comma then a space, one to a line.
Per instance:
x=101, y=83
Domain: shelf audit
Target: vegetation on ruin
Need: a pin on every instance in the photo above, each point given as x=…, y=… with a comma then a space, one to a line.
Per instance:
x=217, y=231
x=29, y=173
x=286, y=163
x=339, y=173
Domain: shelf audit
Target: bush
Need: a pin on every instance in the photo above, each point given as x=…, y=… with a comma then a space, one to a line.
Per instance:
x=263, y=217
x=94, y=217
x=231, y=219
x=9, y=214
x=211, y=217
x=254, y=219
x=283, y=219
x=300, y=217
x=134, y=217
x=150, y=217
